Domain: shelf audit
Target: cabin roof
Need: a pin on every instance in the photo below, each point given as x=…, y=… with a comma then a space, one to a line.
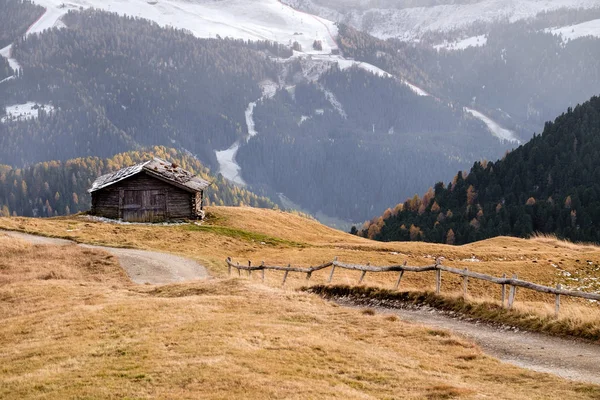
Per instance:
x=158, y=168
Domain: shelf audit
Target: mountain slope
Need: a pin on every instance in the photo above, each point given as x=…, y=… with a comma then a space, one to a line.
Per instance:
x=348, y=142
x=549, y=185
x=520, y=78
x=118, y=83
x=412, y=20
x=107, y=84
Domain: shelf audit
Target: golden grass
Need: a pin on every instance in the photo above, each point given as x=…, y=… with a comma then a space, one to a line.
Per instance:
x=73, y=325
x=83, y=336
x=281, y=238
x=20, y=261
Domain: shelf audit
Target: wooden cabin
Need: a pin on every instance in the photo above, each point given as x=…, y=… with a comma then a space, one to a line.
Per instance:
x=153, y=191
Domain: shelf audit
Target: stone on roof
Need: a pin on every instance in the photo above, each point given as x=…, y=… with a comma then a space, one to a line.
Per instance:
x=159, y=168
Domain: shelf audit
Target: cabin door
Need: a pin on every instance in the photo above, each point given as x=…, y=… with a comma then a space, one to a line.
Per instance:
x=144, y=205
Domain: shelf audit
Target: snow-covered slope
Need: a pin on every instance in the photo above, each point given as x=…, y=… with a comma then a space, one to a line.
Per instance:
x=25, y=111
x=496, y=130
x=242, y=19
x=412, y=22
x=589, y=28
x=473, y=41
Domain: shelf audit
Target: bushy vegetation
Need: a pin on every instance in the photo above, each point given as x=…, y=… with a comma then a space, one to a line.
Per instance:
x=60, y=188
x=549, y=185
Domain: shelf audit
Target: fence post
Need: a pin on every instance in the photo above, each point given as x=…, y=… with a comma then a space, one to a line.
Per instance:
x=332, y=271
x=308, y=274
x=262, y=264
x=512, y=293
x=249, y=271
x=557, y=301
x=228, y=266
x=239, y=272
x=285, y=276
x=362, y=275
x=503, y=290
x=465, y=283
x=438, y=280
x=399, y=279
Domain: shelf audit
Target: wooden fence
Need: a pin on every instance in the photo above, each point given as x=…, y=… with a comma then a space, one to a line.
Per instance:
x=512, y=282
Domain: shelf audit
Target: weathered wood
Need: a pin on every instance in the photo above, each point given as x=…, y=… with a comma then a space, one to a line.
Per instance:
x=503, y=291
x=438, y=281
x=285, y=275
x=391, y=268
x=399, y=279
x=513, y=282
x=557, y=301
x=144, y=198
x=512, y=293
x=362, y=276
x=465, y=283
x=331, y=274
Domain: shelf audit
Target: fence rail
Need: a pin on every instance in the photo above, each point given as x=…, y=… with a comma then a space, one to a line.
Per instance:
x=512, y=282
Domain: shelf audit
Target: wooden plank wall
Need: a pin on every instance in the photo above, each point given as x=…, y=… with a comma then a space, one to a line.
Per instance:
x=105, y=202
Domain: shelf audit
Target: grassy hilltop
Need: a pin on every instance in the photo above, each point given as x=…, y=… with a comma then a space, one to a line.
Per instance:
x=74, y=326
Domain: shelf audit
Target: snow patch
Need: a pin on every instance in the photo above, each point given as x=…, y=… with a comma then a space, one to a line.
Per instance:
x=473, y=41
x=496, y=130
x=7, y=79
x=25, y=111
x=228, y=166
x=303, y=118
x=571, y=32
x=335, y=103
x=7, y=53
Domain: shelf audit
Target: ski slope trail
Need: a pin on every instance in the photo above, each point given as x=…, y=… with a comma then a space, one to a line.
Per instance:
x=228, y=166
x=568, y=358
x=141, y=266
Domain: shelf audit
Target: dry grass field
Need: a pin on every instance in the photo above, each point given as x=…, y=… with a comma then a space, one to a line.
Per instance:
x=73, y=326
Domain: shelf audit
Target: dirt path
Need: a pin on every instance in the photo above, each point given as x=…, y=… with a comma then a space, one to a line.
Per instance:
x=571, y=359
x=142, y=266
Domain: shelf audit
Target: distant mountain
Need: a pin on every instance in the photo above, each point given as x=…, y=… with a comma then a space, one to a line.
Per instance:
x=549, y=185
x=308, y=113
x=101, y=84
x=60, y=188
x=415, y=20
x=517, y=75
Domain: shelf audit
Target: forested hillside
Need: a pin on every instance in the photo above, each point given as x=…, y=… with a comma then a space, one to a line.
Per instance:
x=120, y=82
x=521, y=77
x=376, y=140
x=59, y=188
x=15, y=18
x=550, y=185
x=5, y=71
